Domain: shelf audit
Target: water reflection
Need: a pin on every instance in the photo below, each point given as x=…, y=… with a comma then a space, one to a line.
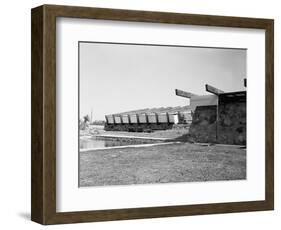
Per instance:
x=93, y=143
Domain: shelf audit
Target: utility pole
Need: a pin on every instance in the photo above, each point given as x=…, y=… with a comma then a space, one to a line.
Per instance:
x=91, y=116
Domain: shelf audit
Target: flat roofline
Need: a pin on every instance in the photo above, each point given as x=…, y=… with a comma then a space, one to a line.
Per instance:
x=234, y=93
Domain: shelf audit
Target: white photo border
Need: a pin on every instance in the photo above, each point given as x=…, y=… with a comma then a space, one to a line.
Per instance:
x=72, y=198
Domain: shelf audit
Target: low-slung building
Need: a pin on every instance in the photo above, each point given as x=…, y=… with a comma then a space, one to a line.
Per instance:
x=217, y=118
x=149, y=119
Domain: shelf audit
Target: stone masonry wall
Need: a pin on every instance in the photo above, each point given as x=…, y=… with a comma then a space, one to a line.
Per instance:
x=231, y=128
x=203, y=126
x=232, y=123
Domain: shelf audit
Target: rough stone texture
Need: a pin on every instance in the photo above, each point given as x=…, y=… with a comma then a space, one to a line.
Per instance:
x=137, y=127
x=232, y=123
x=203, y=126
x=231, y=127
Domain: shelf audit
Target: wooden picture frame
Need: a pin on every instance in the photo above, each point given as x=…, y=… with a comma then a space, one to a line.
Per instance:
x=43, y=160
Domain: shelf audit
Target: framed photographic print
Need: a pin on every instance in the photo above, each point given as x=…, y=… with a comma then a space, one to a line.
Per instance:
x=140, y=114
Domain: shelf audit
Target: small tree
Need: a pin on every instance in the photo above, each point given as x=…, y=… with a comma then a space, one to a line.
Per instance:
x=86, y=119
x=84, y=123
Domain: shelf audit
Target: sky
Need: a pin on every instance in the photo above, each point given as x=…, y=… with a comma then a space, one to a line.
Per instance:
x=116, y=78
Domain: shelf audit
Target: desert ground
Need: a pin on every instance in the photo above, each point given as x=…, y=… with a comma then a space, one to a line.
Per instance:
x=171, y=163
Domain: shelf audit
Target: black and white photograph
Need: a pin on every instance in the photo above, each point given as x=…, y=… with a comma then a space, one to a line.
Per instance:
x=151, y=114
x=139, y=114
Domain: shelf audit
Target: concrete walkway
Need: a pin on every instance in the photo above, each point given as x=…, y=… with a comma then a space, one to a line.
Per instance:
x=133, y=137
x=128, y=146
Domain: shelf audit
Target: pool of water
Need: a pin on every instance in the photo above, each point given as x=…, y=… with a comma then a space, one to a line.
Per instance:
x=94, y=143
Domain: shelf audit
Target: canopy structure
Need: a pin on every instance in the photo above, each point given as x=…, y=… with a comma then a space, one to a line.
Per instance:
x=219, y=117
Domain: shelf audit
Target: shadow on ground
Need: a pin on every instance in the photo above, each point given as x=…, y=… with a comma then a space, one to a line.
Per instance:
x=24, y=215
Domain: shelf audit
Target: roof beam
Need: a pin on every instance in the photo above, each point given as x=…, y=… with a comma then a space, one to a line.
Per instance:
x=213, y=90
x=185, y=94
